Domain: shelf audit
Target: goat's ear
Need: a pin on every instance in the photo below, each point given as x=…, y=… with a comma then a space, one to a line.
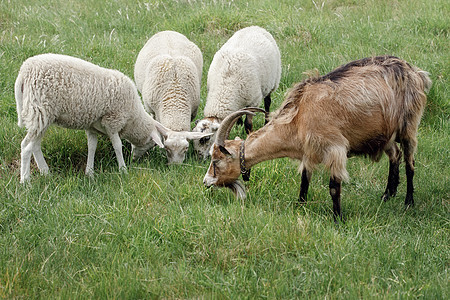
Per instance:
x=224, y=150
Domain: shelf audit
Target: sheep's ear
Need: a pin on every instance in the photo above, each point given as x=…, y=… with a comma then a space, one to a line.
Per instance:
x=214, y=127
x=197, y=135
x=156, y=138
x=164, y=131
x=224, y=150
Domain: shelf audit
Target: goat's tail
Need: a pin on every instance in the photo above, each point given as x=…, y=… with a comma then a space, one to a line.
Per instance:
x=18, y=92
x=425, y=76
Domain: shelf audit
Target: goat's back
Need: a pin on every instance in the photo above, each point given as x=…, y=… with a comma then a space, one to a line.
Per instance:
x=365, y=104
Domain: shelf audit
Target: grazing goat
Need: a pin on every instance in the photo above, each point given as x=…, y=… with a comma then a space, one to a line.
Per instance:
x=73, y=93
x=245, y=70
x=361, y=108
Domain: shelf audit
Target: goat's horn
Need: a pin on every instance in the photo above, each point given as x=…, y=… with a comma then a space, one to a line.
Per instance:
x=228, y=122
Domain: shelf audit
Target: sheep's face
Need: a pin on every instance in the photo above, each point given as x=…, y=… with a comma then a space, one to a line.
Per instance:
x=202, y=146
x=176, y=146
x=138, y=151
x=224, y=169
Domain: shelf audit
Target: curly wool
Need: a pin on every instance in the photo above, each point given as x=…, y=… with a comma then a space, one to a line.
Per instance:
x=74, y=93
x=244, y=71
x=168, y=73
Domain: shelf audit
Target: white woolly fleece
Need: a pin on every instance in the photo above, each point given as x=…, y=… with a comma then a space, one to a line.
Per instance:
x=168, y=73
x=244, y=71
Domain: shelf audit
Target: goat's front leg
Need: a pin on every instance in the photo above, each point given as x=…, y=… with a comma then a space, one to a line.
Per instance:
x=394, y=154
x=335, y=192
x=304, y=185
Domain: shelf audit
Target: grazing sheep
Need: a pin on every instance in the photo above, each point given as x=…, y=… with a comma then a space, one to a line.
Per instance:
x=244, y=71
x=168, y=73
x=362, y=108
x=73, y=93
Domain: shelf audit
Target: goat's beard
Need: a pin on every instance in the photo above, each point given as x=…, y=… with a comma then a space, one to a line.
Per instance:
x=238, y=189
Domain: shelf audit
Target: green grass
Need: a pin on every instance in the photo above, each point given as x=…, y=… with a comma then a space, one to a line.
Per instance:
x=158, y=233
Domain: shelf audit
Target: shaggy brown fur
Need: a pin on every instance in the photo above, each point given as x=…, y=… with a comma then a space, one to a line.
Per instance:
x=361, y=108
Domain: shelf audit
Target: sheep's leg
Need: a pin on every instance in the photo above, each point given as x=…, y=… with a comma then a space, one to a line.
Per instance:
x=39, y=156
x=26, y=147
x=409, y=148
x=394, y=154
x=117, y=145
x=92, y=146
x=306, y=178
x=267, y=102
x=248, y=124
x=335, y=192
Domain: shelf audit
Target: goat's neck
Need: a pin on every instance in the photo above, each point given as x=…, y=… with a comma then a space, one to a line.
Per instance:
x=271, y=142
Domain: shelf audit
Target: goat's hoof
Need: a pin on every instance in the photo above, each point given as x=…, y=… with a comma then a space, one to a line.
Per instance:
x=408, y=206
x=385, y=197
x=339, y=220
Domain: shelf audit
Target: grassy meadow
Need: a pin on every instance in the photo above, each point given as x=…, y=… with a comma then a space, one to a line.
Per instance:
x=158, y=233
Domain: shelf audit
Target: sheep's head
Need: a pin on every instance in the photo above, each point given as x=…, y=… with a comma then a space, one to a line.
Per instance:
x=153, y=140
x=203, y=145
x=225, y=166
x=177, y=144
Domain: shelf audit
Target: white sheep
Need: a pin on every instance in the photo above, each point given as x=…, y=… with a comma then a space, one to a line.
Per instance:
x=245, y=70
x=73, y=93
x=168, y=73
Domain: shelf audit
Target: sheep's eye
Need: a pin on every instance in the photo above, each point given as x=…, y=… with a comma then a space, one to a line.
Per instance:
x=203, y=140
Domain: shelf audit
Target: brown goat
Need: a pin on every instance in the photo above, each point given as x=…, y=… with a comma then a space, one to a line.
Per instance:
x=362, y=108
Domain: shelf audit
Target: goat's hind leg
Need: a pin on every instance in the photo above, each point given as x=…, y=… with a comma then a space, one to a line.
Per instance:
x=394, y=155
x=409, y=147
x=335, y=193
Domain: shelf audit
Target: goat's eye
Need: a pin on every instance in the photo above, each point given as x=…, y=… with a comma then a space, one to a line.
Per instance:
x=214, y=165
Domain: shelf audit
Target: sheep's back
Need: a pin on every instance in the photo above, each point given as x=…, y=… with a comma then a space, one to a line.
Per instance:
x=243, y=71
x=172, y=91
x=73, y=93
x=169, y=43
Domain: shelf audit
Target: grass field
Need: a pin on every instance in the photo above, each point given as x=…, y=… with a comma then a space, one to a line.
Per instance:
x=158, y=233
